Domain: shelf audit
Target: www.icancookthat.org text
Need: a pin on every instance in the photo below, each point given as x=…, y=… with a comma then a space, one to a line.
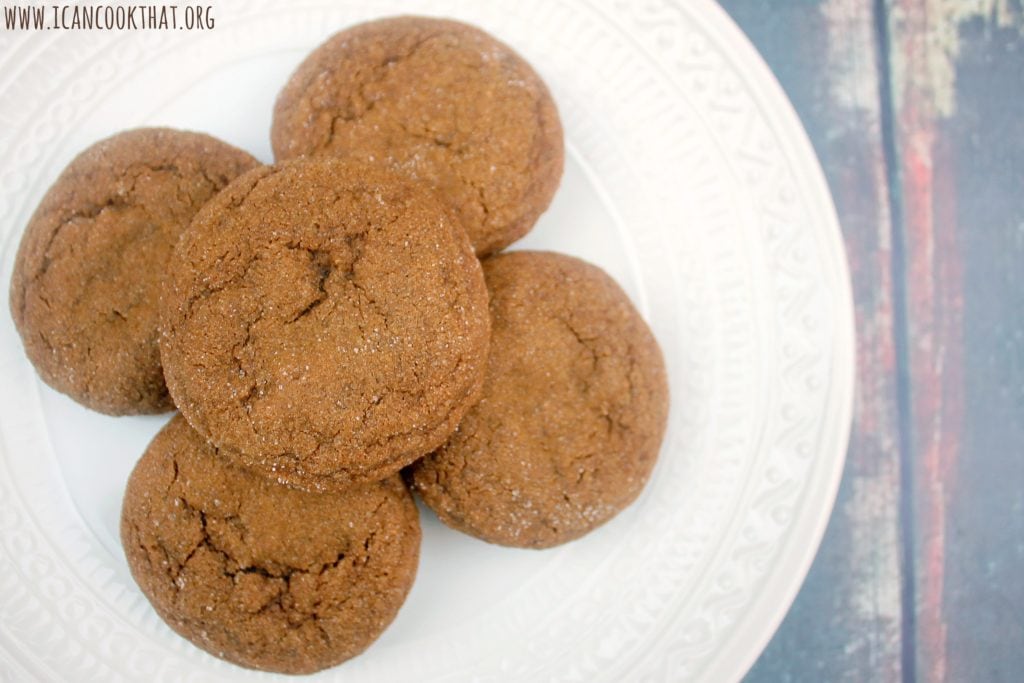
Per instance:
x=108, y=17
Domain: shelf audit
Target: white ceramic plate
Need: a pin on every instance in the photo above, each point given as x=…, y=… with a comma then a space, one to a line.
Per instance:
x=688, y=178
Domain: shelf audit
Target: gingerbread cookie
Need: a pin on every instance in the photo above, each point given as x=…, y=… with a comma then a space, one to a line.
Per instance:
x=572, y=415
x=326, y=322
x=86, y=283
x=441, y=101
x=263, y=575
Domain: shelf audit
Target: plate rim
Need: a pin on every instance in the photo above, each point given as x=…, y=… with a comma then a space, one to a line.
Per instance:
x=844, y=348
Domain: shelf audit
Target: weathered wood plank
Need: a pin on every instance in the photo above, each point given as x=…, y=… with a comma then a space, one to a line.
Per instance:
x=846, y=621
x=958, y=72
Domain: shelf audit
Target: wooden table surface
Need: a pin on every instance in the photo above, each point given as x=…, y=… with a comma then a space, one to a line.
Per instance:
x=916, y=111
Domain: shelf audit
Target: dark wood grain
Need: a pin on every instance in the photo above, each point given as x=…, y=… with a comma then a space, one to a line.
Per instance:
x=957, y=80
x=846, y=621
x=940, y=315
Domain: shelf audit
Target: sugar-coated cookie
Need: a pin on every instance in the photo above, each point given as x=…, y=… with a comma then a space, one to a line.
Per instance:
x=264, y=575
x=88, y=275
x=325, y=322
x=574, y=407
x=441, y=101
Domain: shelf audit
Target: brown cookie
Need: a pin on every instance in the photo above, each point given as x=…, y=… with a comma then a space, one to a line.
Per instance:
x=326, y=322
x=263, y=575
x=441, y=101
x=573, y=411
x=86, y=283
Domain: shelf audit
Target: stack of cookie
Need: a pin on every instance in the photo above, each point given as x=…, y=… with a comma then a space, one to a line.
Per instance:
x=328, y=322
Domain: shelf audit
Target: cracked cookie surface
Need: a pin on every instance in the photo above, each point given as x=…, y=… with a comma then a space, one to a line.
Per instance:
x=572, y=414
x=263, y=575
x=325, y=322
x=86, y=283
x=441, y=101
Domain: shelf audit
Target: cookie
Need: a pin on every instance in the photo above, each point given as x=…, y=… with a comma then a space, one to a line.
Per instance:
x=263, y=575
x=441, y=101
x=573, y=411
x=326, y=322
x=86, y=283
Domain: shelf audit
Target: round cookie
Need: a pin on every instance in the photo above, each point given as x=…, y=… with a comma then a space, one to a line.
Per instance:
x=441, y=101
x=86, y=283
x=263, y=575
x=573, y=411
x=326, y=322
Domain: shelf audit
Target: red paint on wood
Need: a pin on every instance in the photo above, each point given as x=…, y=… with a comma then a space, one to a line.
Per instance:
x=927, y=391
x=935, y=312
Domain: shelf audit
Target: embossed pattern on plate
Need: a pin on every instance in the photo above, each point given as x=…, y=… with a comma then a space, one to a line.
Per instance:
x=689, y=179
